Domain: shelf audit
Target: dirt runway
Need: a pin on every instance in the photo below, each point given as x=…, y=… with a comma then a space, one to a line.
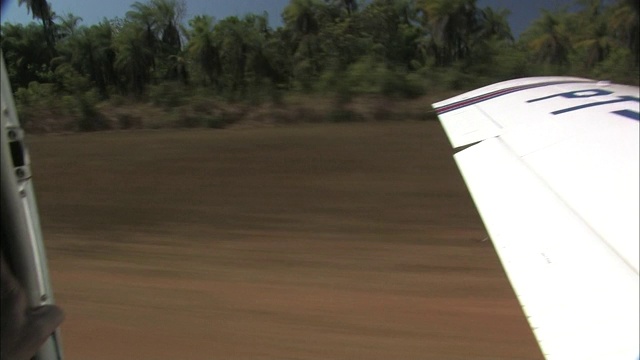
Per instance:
x=326, y=241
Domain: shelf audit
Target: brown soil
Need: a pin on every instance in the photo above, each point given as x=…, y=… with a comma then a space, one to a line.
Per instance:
x=325, y=241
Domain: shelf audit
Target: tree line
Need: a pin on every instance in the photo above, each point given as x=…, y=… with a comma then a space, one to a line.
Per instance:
x=402, y=48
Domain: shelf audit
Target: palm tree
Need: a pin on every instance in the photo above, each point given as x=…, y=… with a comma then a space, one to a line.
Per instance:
x=68, y=24
x=169, y=14
x=625, y=24
x=257, y=36
x=144, y=15
x=88, y=51
x=451, y=24
x=105, y=32
x=202, y=47
x=160, y=22
x=495, y=24
x=41, y=9
x=548, y=40
x=392, y=28
x=178, y=69
x=22, y=48
x=134, y=58
x=591, y=33
x=350, y=5
x=303, y=16
x=232, y=35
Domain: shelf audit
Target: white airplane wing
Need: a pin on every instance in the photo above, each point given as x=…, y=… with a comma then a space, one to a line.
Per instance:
x=552, y=166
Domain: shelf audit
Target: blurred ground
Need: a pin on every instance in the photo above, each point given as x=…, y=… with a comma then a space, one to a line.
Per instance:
x=326, y=241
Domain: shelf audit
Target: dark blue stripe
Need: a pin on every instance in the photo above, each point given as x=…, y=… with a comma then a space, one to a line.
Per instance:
x=584, y=106
x=633, y=115
x=498, y=93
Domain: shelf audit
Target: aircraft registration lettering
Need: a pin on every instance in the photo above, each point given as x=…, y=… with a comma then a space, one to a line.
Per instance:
x=580, y=94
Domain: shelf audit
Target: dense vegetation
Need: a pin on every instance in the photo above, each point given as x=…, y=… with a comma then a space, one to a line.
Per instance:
x=340, y=50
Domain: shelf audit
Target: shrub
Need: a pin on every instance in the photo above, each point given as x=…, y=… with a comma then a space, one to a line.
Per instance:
x=277, y=96
x=618, y=67
x=38, y=105
x=344, y=115
x=37, y=95
x=413, y=86
x=304, y=75
x=90, y=119
x=168, y=94
x=71, y=81
x=128, y=121
x=200, y=120
x=216, y=122
x=117, y=100
x=202, y=105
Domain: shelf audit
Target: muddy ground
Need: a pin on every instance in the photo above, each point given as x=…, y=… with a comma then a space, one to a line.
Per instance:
x=326, y=241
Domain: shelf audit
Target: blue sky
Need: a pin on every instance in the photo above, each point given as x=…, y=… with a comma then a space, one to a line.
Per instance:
x=92, y=11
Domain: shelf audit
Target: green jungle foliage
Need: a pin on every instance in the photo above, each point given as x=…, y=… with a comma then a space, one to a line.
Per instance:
x=336, y=49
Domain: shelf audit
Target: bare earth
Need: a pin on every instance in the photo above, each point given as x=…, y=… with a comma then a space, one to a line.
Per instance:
x=328, y=241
